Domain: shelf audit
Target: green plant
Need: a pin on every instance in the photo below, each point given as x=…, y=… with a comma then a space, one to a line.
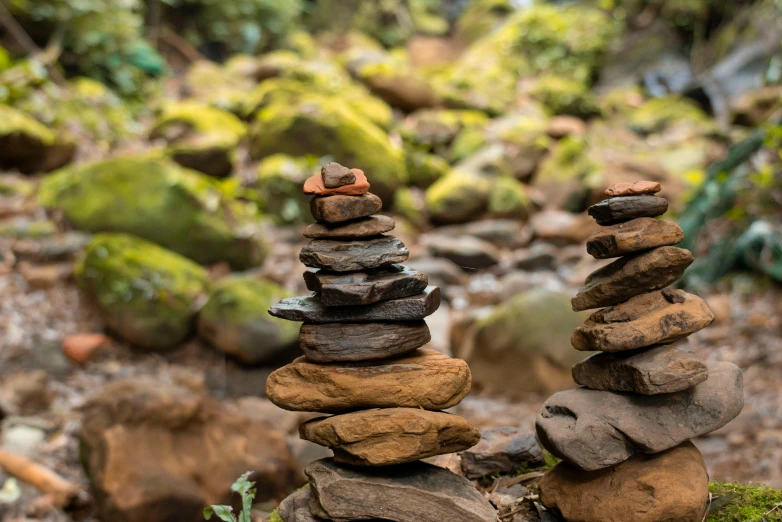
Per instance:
x=246, y=490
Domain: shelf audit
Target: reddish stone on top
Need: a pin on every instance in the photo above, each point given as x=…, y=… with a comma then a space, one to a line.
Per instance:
x=633, y=189
x=314, y=185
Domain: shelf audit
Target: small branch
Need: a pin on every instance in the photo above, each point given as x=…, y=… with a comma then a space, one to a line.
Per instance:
x=65, y=494
x=8, y=21
x=184, y=48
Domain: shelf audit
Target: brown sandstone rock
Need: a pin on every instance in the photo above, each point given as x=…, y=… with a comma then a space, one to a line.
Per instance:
x=616, y=210
x=362, y=288
x=659, y=317
x=595, y=429
x=632, y=275
x=672, y=486
x=502, y=450
x=414, y=492
x=661, y=369
x=360, y=228
x=390, y=436
x=351, y=256
x=337, y=342
x=156, y=452
x=424, y=379
x=338, y=209
x=296, y=508
x=633, y=236
x=315, y=185
x=628, y=188
x=335, y=175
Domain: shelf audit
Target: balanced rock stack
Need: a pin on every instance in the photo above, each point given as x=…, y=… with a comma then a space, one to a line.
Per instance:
x=624, y=436
x=363, y=362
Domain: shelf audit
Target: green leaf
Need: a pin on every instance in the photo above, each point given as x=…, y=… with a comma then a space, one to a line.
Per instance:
x=222, y=512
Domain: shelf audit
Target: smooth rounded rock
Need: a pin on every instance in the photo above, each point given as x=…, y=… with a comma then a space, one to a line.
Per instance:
x=637, y=235
x=390, y=436
x=296, y=507
x=672, y=486
x=338, y=209
x=616, y=210
x=337, y=342
x=315, y=185
x=351, y=256
x=363, y=288
x=360, y=228
x=424, y=379
x=335, y=175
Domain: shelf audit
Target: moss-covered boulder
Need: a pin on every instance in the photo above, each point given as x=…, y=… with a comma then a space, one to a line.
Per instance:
x=156, y=199
x=435, y=130
x=508, y=199
x=217, y=86
x=144, y=293
x=562, y=95
x=458, y=197
x=481, y=17
x=423, y=168
x=745, y=502
x=327, y=126
x=200, y=137
x=567, y=175
x=410, y=204
x=235, y=320
x=278, y=184
x=523, y=137
x=391, y=77
x=659, y=114
x=29, y=146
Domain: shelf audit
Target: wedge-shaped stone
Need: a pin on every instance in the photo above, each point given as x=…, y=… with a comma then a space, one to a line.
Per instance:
x=338, y=209
x=351, y=256
x=502, y=450
x=415, y=492
x=616, y=210
x=311, y=309
x=363, y=227
x=424, y=379
x=672, y=486
x=338, y=342
x=594, y=429
x=661, y=369
x=637, y=235
x=390, y=436
x=629, y=276
x=362, y=288
x=658, y=317
x=335, y=175
x=296, y=507
x=628, y=188
x=316, y=185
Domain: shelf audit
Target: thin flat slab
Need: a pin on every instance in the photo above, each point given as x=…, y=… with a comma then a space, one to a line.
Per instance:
x=340, y=342
x=660, y=369
x=637, y=235
x=632, y=275
x=352, y=256
x=415, y=492
x=338, y=209
x=310, y=309
x=424, y=379
x=335, y=175
x=314, y=185
x=616, y=210
x=629, y=188
x=360, y=228
x=594, y=429
x=362, y=288
x=502, y=450
x=390, y=436
x=659, y=317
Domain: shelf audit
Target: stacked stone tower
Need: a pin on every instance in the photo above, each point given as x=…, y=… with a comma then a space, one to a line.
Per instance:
x=624, y=436
x=363, y=362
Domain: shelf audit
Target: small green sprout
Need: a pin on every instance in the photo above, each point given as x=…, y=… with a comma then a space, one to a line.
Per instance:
x=246, y=490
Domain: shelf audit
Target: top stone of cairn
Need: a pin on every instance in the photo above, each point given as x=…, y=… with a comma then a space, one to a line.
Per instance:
x=316, y=184
x=637, y=188
x=335, y=175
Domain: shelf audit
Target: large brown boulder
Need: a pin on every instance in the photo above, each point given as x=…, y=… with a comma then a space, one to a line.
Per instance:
x=158, y=452
x=672, y=486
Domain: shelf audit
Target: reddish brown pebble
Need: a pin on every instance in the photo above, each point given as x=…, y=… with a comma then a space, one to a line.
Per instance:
x=80, y=348
x=314, y=185
x=633, y=189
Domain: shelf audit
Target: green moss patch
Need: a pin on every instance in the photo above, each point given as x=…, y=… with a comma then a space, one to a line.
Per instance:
x=745, y=503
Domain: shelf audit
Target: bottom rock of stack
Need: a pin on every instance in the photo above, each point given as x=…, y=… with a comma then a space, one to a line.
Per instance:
x=672, y=486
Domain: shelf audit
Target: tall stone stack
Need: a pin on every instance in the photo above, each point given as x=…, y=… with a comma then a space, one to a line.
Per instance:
x=624, y=436
x=362, y=334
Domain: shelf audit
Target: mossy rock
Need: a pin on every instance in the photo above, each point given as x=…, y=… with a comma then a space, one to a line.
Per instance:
x=746, y=502
x=508, y=199
x=524, y=138
x=567, y=175
x=156, y=199
x=29, y=146
x=423, y=168
x=561, y=95
x=481, y=17
x=321, y=125
x=5, y=59
x=144, y=293
x=434, y=130
x=391, y=77
x=236, y=321
x=200, y=137
x=26, y=228
x=410, y=203
x=214, y=85
x=279, y=185
x=657, y=114
x=458, y=197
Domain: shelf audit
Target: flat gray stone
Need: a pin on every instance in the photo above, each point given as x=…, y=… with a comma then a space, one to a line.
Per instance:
x=310, y=309
x=415, y=492
x=341, y=208
x=660, y=369
x=502, y=450
x=616, y=210
x=352, y=256
x=335, y=175
x=633, y=236
x=296, y=507
x=336, y=342
x=465, y=251
x=594, y=429
x=360, y=228
x=362, y=288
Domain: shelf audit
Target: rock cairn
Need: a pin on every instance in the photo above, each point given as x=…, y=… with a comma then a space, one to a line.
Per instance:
x=363, y=361
x=624, y=436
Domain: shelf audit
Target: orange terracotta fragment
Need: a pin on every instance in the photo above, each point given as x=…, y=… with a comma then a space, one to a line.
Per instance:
x=314, y=185
x=628, y=188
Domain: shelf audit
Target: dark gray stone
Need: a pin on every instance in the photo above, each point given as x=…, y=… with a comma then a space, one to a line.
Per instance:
x=341, y=208
x=363, y=227
x=337, y=342
x=415, y=492
x=362, y=288
x=296, y=508
x=335, y=175
x=465, y=251
x=351, y=256
x=310, y=309
x=624, y=208
x=502, y=450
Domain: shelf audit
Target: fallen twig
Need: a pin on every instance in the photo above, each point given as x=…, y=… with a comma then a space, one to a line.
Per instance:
x=64, y=493
x=521, y=478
